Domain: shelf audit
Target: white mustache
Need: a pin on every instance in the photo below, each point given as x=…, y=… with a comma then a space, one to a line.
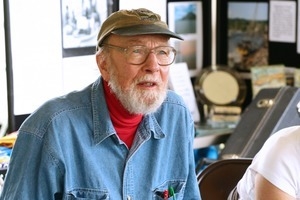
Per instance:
x=148, y=78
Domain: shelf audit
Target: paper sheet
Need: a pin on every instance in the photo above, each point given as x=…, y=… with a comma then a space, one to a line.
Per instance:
x=180, y=82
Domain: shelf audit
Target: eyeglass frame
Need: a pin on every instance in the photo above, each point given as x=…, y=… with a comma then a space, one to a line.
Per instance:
x=125, y=50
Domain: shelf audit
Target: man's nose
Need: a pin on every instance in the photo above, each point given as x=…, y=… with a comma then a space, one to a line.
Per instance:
x=151, y=62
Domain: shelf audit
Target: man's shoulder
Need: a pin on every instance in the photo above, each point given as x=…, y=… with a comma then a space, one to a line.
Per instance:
x=174, y=103
x=57, y=108
x=173, y=97
x=69, y=101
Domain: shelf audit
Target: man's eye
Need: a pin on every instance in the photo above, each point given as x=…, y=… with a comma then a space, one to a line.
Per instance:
x=162, y=52
x=137, y=50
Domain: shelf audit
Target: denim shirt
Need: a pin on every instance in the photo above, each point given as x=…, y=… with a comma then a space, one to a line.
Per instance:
x=69, y=149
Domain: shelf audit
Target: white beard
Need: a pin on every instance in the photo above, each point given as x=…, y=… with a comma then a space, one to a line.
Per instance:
x=138, y=101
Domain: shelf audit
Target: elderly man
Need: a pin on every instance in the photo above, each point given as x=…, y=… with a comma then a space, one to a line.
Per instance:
x=123, y=137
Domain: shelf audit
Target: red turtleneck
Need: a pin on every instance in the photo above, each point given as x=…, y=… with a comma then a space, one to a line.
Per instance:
x=125, y=123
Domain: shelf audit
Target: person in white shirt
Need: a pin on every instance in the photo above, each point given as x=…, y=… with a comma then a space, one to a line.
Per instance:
x=275, y=170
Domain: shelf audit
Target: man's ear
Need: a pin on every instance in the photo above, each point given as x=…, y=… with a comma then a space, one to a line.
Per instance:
x=102, y=66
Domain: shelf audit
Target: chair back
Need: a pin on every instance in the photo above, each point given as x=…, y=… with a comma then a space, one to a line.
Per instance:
x=218, y=179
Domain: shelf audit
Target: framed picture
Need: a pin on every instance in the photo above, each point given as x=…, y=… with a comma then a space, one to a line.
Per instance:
x=271, y=76
x=186, y=18
x=81, y=21
x=242, y=34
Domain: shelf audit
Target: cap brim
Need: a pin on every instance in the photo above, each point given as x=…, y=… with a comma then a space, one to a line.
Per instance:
x=144, y=30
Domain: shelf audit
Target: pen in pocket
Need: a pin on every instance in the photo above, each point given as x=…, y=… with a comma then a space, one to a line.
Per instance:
x=166, y=195
x=172, y=193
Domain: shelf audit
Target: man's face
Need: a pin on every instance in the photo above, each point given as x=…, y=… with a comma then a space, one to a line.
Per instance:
x=140, y=88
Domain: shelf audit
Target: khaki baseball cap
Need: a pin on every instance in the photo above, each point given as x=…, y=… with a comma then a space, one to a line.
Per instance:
x=134, y=22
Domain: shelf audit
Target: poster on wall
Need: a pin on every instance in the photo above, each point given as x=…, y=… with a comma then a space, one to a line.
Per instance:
x=81, y=21
x=185, y=18
x=247, y=31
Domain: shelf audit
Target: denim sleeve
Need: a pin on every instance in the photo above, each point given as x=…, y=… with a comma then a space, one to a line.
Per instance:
x=31, y=173
x=191, y=190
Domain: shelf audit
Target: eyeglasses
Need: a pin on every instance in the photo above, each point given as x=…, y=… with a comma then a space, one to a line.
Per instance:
x=136, y=55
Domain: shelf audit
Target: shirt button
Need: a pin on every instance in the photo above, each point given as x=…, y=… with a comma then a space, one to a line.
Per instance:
x=128, y=198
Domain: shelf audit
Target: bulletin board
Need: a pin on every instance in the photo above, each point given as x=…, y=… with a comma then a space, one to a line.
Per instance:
x=272, y=27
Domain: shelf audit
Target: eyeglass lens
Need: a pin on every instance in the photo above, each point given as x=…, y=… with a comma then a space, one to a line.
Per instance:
x=165, y=55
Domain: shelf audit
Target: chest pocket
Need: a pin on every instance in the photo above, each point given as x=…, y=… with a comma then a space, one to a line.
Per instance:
x=174, y=188
x=87, y=194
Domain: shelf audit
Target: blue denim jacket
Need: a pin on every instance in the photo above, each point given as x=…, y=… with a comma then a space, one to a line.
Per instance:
x=69, y=149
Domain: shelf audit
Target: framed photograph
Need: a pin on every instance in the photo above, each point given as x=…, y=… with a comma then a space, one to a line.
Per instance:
x=81, y=21
x=271, y=76
x=185, y=18
x=242, y=34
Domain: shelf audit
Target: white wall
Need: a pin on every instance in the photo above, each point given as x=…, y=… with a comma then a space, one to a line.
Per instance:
x=39, y=70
